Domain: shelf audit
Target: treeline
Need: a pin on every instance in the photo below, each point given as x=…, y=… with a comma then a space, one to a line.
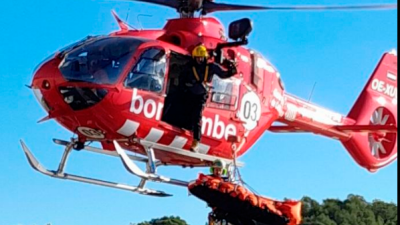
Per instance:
x=352, y=211
x=165, y=221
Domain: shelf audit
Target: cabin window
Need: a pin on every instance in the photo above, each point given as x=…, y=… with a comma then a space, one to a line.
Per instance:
x=257, y=73
x=177, y=63
x=149, y=72
x=99, y=60
x=224, y=93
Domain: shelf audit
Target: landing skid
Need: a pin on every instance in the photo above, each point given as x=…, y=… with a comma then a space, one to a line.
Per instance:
x=159, y=147
x=149, y=175
x=199, y=156
x=128, y=161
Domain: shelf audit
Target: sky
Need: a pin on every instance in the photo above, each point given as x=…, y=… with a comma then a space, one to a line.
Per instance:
x=336, y=50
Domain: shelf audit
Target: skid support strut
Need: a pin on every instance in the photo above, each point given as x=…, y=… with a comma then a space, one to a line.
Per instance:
x=149, y=175
x=135, y=170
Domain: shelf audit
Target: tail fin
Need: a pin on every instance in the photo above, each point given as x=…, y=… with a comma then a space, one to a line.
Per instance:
x=376, y=107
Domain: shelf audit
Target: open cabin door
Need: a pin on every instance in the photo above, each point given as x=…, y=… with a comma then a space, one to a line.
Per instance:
x=172, y=109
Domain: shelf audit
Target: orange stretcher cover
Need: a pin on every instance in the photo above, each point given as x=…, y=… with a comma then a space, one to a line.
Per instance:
x=288, y=208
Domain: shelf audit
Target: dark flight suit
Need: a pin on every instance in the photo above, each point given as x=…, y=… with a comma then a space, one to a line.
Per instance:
x=194, y=81
x=172, y=103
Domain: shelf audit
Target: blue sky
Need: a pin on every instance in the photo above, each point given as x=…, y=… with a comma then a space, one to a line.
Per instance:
x=338, y=50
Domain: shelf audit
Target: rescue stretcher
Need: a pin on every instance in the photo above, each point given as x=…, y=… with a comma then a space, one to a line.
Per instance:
x=237, y=205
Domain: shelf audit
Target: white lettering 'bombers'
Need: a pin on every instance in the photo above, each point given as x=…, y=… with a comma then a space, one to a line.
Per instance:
x=207, y=124
x=151, y=108
x=212, y=128
x=217, y=129
x=129, y=128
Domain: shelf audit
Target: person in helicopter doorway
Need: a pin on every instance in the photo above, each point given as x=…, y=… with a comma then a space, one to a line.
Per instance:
x=195, y=78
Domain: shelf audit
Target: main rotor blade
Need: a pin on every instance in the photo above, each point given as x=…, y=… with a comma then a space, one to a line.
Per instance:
x=338, y=7
x=210, y=7
x=170, y=3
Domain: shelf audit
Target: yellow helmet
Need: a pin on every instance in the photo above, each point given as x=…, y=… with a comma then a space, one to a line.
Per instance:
x=200, y=51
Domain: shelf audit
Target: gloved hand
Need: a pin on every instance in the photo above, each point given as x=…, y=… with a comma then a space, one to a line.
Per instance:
x=231, y=65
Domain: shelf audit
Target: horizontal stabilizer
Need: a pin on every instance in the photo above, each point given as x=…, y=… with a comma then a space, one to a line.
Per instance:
x=288, y=129
x=368, y=128
x=344, y=128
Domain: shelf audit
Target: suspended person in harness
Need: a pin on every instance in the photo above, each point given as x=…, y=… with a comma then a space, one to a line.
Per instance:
x=218, y=170
x=195, y=79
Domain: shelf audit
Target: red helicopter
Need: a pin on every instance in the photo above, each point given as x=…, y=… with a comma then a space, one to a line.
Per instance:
x=111, y=89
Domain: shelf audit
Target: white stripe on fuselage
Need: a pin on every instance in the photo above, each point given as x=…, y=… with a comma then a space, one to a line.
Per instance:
x=154, y=135
x=129, y=128
x=178, y=142
x=204, y=149
x=151, y=109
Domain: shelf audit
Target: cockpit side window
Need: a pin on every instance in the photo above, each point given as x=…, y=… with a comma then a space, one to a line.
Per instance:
x=149, y=72
x=225, y=93
x=257, y=73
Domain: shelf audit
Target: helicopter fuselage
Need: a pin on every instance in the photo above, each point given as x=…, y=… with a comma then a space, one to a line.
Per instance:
x=114, y=87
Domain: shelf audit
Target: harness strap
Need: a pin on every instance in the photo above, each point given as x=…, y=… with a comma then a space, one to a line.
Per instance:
x=196, y=75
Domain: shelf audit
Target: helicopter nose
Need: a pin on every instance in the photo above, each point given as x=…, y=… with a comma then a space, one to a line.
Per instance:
x=79, y=98
x=39, y=97
x=43, y=81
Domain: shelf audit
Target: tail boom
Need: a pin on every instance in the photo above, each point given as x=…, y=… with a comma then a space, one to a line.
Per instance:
x=301, y=116
x=369, y=132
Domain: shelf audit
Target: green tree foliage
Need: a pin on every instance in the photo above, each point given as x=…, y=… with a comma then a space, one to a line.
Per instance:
x=352, y=211
x=165, y=221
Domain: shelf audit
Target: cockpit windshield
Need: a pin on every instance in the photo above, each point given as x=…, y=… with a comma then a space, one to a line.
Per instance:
x=100, y=61
x=149, y=72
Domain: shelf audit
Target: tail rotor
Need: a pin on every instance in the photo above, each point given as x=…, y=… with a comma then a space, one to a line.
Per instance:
x=382, y=143
x=375, y=144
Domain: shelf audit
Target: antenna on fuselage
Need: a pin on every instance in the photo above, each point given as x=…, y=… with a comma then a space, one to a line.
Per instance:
x=127, y=14
x=140, y=24
x=312, y=91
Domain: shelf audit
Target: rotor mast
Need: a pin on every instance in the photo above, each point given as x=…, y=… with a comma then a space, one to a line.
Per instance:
x=189, y=7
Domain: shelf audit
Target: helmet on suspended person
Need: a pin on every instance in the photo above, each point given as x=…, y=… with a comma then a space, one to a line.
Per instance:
x=220, y=165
